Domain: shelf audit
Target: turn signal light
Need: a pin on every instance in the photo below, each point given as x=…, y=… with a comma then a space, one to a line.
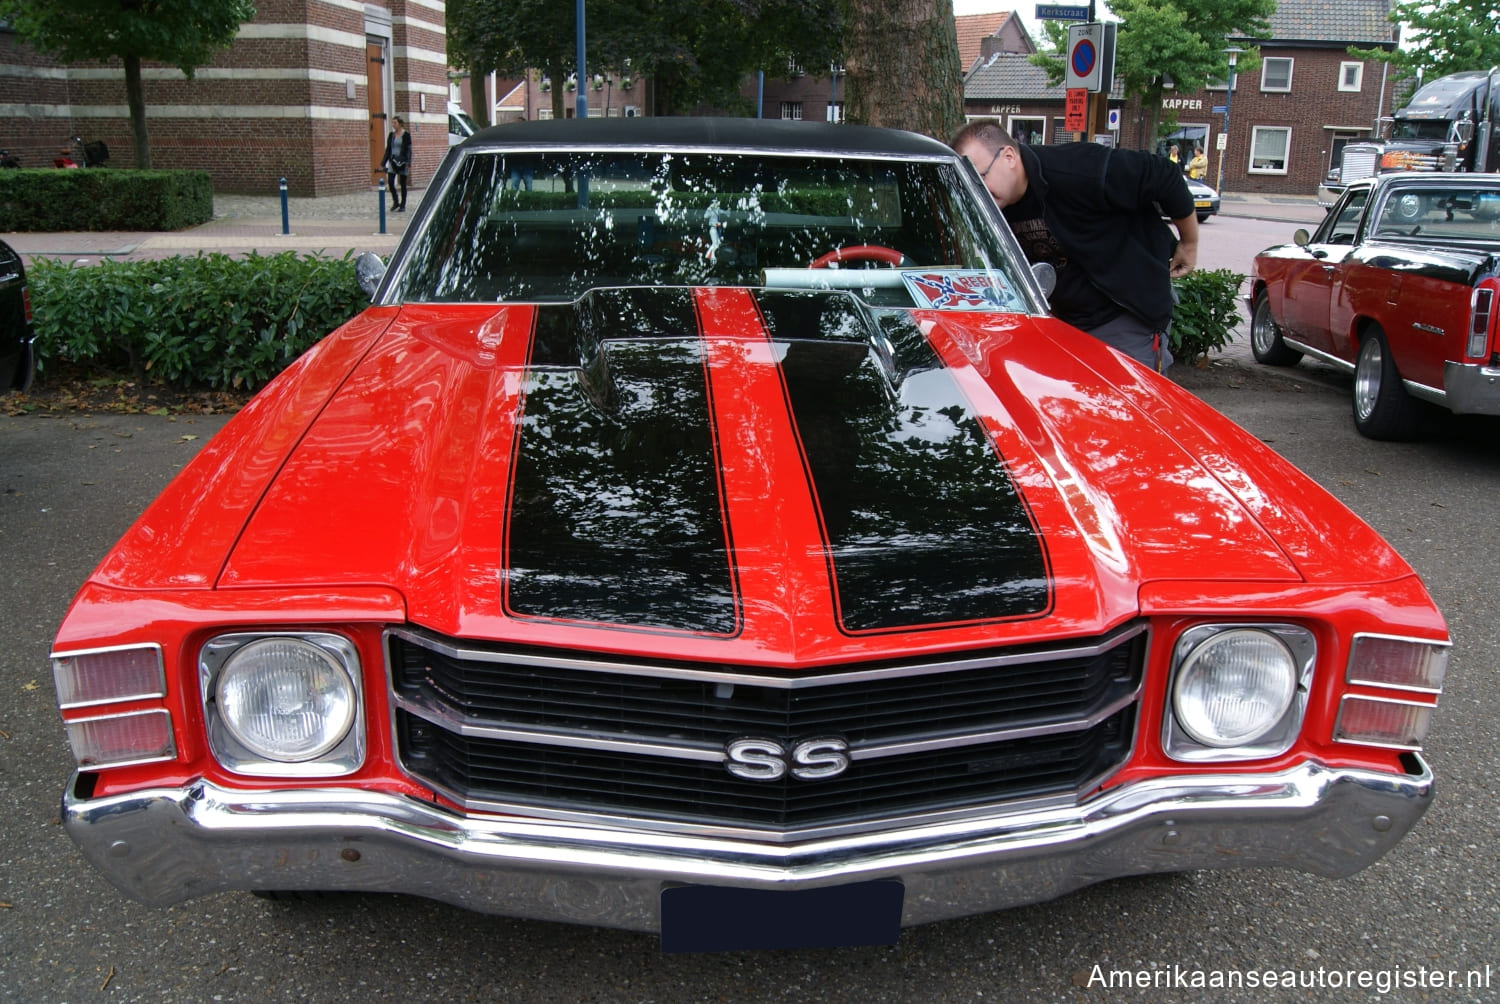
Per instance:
x=118, y=740
x=101, y=677
x=1373, y=721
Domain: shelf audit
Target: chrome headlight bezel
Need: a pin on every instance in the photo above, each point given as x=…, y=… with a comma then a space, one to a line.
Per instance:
x=342, y=756
x=1181, y=742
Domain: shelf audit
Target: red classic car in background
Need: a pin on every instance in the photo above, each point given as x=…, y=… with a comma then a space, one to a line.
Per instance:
x=1399, y=284
x=706, y=531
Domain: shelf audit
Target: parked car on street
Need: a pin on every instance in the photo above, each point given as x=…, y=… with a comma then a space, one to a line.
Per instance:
x=1204, y=198
x=1398, y=285
x=716, y=537
x=17, y=358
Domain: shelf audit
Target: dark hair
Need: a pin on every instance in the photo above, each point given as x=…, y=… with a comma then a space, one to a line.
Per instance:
x=988, y=133
x=399, y=119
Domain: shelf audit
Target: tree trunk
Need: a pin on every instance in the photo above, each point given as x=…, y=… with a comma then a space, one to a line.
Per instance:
x=135, y=98
x=478, y=98
x=902, y=64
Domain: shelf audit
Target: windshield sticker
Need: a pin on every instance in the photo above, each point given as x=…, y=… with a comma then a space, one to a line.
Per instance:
x=961, y=289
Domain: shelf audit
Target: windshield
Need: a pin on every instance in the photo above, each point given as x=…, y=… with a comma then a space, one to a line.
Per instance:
x=540, y=226
x=1420, y=129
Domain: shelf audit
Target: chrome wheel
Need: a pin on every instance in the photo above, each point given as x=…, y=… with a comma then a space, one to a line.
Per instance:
x=1382, y=408
x=1367, y=378
x=1265, y=336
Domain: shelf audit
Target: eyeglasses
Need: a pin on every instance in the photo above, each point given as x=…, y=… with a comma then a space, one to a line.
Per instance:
x=986, y=172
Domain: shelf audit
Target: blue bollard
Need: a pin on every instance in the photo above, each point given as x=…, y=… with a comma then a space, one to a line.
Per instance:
x=381, y=193
x=286, y=222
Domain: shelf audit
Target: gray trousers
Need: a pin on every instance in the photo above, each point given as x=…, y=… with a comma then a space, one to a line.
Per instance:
x=1136, y=339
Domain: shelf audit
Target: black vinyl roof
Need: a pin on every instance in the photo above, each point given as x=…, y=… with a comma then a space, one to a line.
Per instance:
x=774, y=135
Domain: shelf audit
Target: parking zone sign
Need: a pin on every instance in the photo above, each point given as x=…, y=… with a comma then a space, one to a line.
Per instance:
x=1091, y=56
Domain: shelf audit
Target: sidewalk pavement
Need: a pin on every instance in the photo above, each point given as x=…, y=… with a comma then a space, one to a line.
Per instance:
x=336, y=224
x=329, y=225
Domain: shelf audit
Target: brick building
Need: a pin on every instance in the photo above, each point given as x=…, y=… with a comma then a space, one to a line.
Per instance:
x=305, y=92
x=1288, y=119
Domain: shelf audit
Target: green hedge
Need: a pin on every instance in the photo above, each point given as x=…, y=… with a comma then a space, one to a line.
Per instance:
x=1206, y=314
x=209, y=320
x=104, y=199
x=216, y=321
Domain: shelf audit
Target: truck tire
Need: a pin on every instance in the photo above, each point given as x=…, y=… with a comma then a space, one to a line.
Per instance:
x=1382, y=408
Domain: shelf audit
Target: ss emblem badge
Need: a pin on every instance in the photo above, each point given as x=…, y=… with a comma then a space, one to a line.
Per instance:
x=769, y=760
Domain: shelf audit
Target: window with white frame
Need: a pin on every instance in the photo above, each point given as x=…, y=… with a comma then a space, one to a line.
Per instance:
x=791, y=110
x=1276, y=73
x=1269, y=147
x=1029, y=130
x=1351, y=76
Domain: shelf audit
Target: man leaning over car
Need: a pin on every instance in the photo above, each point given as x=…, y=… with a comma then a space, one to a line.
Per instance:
x=1095, y=213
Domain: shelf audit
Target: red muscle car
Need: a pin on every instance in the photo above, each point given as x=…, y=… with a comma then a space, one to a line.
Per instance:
x=1399, y=285
x=706, y=531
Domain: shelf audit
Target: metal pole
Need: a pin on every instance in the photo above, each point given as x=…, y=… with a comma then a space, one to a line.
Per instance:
x=1228, y=95
x=381, y=193
x=583, y=77
x=286, y=219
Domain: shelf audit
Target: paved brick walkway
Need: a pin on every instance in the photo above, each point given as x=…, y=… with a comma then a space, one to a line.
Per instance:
x=331, y=225
x=336, y=224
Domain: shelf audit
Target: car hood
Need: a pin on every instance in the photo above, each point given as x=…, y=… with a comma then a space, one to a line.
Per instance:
x=793, y=474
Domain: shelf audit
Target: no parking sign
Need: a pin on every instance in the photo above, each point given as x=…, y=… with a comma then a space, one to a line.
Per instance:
x=1091, y=56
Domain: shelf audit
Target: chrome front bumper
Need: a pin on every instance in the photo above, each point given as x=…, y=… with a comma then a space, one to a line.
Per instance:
x=166, y=845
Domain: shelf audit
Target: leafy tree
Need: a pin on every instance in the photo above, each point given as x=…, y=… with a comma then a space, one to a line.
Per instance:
x=1165, y=43
x=902, y=59
x=180, y=33
x=694, y=52
x=1447, y=37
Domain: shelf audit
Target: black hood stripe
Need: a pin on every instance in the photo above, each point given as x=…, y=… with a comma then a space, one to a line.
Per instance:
x=616, y=507
x=922, y=524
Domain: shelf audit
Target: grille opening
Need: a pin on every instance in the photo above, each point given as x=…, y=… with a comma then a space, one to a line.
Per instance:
x=1081, y=704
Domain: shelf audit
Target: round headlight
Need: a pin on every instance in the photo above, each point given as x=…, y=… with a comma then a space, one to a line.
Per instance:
x=285, y=699
x=1234, y=687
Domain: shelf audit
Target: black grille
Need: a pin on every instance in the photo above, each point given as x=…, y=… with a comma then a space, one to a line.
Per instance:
x=490, y=691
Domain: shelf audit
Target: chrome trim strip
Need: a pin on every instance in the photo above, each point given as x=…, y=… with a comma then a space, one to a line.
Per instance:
x=428, y=712
x=1426, y=393
x=166, y=845
x=877, y=751
x=1413, y=388
x=1430, y=329
x=1318, y=354
x=714, y=753
x=956, y=663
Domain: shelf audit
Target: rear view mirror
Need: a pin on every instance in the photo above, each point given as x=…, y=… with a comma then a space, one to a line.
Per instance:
x=368, y=271
x=1046, y=277
x=1301, y=237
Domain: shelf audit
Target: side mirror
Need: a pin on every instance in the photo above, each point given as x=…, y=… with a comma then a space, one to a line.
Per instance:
x=1046, y=277
x=369, y=270
x=1301, y=237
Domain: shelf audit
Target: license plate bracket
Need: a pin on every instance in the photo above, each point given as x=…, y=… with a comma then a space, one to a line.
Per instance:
x=696, y=918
